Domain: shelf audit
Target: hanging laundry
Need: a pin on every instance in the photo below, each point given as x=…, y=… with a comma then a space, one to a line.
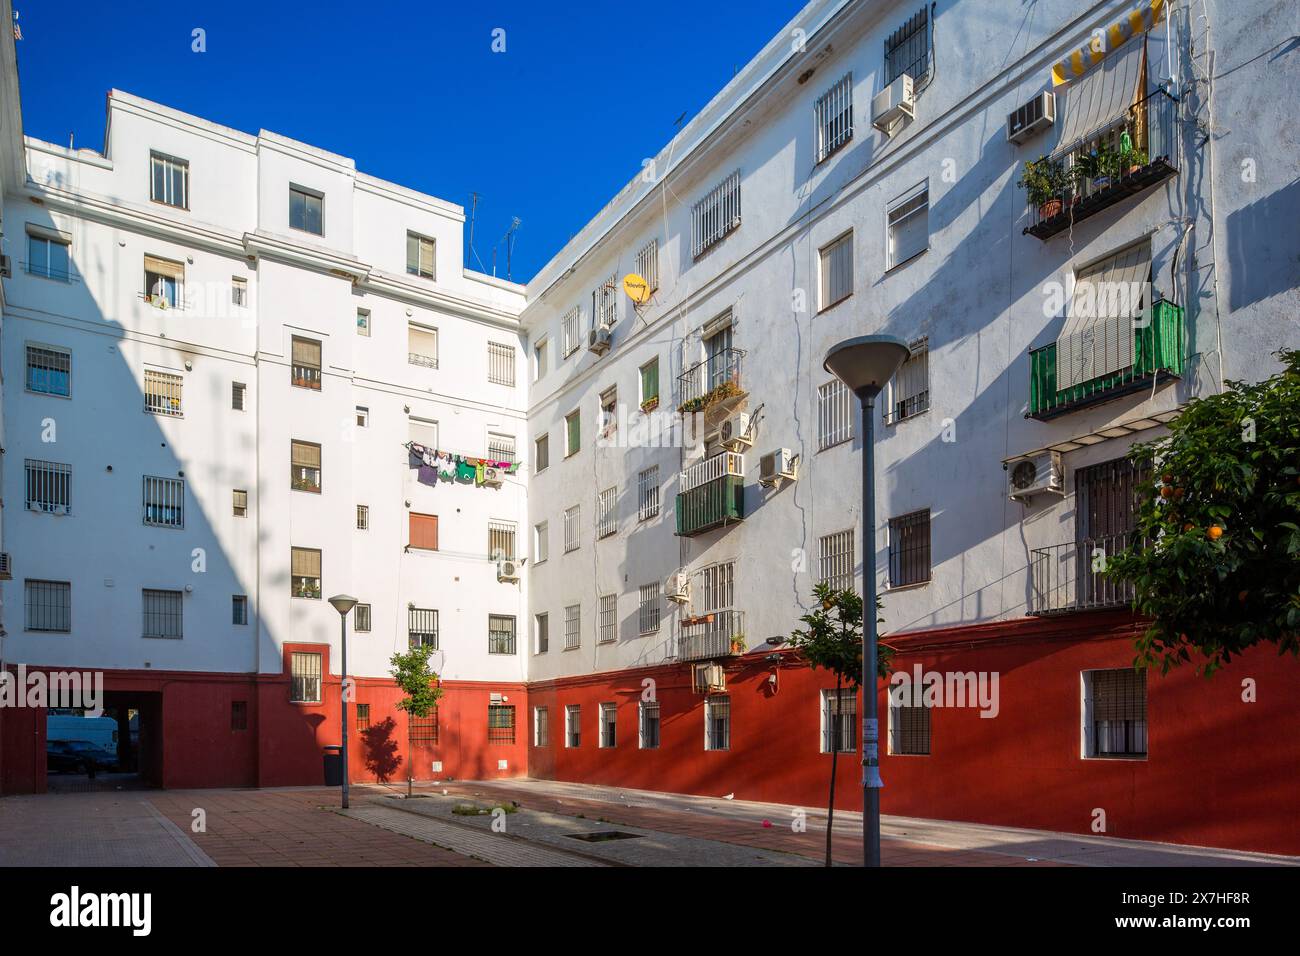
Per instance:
x=428, y=475
x=464, y=470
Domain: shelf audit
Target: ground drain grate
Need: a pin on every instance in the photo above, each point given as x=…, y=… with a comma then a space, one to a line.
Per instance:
x=603, y=836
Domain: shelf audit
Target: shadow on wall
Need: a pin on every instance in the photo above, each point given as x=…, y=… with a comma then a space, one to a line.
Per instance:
x=380, y=748
x=1261, y=266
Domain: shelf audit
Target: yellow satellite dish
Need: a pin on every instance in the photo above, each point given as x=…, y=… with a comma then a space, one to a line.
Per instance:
x=637, y=289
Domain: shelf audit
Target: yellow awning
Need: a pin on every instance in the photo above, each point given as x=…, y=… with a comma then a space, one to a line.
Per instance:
x=1136, y=22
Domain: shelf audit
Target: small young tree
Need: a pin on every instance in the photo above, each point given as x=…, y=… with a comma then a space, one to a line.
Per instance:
x=831, y=638
x=413, y=675
x=1215, y=557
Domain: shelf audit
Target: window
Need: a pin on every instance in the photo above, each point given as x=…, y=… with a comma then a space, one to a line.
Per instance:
x=164, y=282
x=501, y=447
x=163, y=393
x=424, y=730
x=608, y=725
x=722, y=363
x=304, y=466
x=717, y=723
x=305, y=370
x=833, y=117
x=839, y=721
x=572, y=627
x=363, y=417
x=572, y=432
x=238, y=291
x=363, y=517
x=572, y=725
x=907, y=224
x=363, y=322
x=541, y=453
x=569, y=329
x=541, y=633
x=49, y=370
x=836, y=271
x=307, y=210
x=907, y=50
x=647, y=264
x=717, y=586
x=541, y=542
x=304, y=671
x=607, y=619
x=423, y=532
x=501, y=364
x=238, y=391
x=716, y=215
x=539, y=360
x=422, y=346
x=834, y=414
x=48, y=606
x=835, y=561
x=1115, y=713
x=363, y=716
x=501, y=634
x=169, y=180
x=648, y=610
x=238, y=609
x=361, y=618
x=501, y=724
x=908, y=392
x=419, y=255
x=909, y=723
x=650, y=384
x=607, y=424
x=239, y=502
x=607, y=513
x=304, y=572
x=501, y=540
x=49, y=256
x=909, y=549
x=572, y=526
x=164, y=502
x=541, y=727
x=604, y=304
x=422, y=627
x=422, y=431
x=649, y=725
x=163, y=613
x=238, y=715
x=49, y=486
x=647, y=493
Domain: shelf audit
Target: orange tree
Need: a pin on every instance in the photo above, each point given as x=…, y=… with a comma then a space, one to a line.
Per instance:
x=1215, y=556
x=412, y=673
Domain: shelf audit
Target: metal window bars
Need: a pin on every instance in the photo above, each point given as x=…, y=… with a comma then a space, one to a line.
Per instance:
x=49, y=370
x=164, y=502
x=502, y=536
x=908, y=392
x=647, y=264
x=1066, y=577
x=839, y=721
x=833, y=117
x=501, y=364
x=163, y=613
x=607, y=619
x=909, y=729
x=607, y=513
x=717, y=723
x=572, y=626
x=907, y=49
x=834, y=414
x=647, y=493
x=501, y=724
x=305, y=677
x=501, y=634
x=163, y=393
x=501, y=448
x=722, y=366
x=648, y=608
x=47, y=605
x=713, y=635
x=49, y=486
x=609, y=725
x=649, y=720
x=716, y=215
x=909, y=549
x=572, y=528
x=421, y=346
x=422, y=627
x=836, y=561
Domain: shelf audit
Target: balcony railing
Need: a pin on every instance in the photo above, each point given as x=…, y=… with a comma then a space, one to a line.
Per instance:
x=1062, y=578
x=713, y=635
x=1152, y=127
x=715, y=379
x=711, y=469
x=1157, y=357
x=416, y=358
x=712, y=504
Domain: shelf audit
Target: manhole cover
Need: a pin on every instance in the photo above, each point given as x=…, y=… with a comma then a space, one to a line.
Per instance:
x=602, y=836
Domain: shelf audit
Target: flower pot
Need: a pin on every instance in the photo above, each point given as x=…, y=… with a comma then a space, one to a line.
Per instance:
x=1049, y=209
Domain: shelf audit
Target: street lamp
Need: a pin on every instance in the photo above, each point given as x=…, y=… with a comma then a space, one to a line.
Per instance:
x=865, y=364
x=343, y=603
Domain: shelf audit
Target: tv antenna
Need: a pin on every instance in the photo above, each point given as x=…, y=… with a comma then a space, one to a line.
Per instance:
x=509, y=240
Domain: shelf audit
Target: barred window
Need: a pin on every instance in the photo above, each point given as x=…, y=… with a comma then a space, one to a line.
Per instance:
x=607, y=513
x=647, y=264
x=49, y=370
x=909, y=726
x=363, y=517
x=501, y=447
x=717, y=586
x=422, y=346
x=834, y=414
x=163, y=613
x=569, y=329
x=169, y=180
x=573, y=725
x=541, y=727
x=304, y=677
x=1115, y=712
x=163, y=393
x=541, y=542
x=419, y=255
x=164, y=502
x=649, y=724
x=907, y=49
x=238, y=715
x=304, y=466
x=608, y=619
x=836, y=559
x=604, y=304
x=572, y=525
x=361, y=618
x=363, y=716
x=541, y=453
x=424, y=730
x=608, y=725
x=304, y=572
x=501, y=540
x=239, y=502
x=422, y=627
x=542, y=633
x=839, y=721
x=836, y=271
x=501, y=724
x=501, y=634
x=648, y=609
x=238, y=609
x=238, y=391
x=909, y=549
x=908, y=392
x=907, y=225
x=833, y=117
x=716, y=215
x=501, y=364
x=304, y=370
x=717, y=723
x=49, y=486
x=572, y=626
x=48, y=605
x=647, y=493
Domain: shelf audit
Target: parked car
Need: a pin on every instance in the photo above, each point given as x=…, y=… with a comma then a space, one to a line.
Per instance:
x=78, y=756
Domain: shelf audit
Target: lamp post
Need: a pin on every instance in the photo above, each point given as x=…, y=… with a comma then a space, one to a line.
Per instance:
x=343, y=603
x=865, y=364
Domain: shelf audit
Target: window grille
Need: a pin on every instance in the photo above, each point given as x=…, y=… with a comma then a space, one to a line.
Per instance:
x=305, y=674
x=162, y=613
x=834, y=414
x=363, y=517
x=501, y=364
x=49, y=486
x=608, y=725
x=422, y=627
x=361, y=618
x=572, y=627
x=1118, y=707
x=572, y=526
x=49, y=370
x=573, y=725
x=908, y=392
x=907, y=49
x=424, y=730
x=909, y=729
x=839, y=721
x=48, y=605
x=836, y=559
x=162, y=393
x=649, y=724
x=647, y=264
x=501, y=724
x=164, y=502
x=501, y=447
x=716, y=215
x=501, y=634
x=648, y=609
x=541, y=727
x=501, y=540
x=909, y=549
x=607, y=513
x=569, y=327
x=608, y=619
x=717, y=723
x=422, y=346
x=647, y=493
x=833, y=117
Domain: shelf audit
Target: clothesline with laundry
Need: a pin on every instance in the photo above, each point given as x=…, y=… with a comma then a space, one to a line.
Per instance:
x=437, y=465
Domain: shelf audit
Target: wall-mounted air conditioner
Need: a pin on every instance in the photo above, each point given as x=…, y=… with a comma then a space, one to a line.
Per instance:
x=598, y=340
x=778, y=466
x=708, y=678
x=892, y=105
x=492, y=477
x=678, y=587
x=734, y=432
x=1032, y=118
x=1035, y=475
x=507, y=571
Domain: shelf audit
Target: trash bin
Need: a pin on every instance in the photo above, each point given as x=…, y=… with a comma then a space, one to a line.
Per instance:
x=333, y=757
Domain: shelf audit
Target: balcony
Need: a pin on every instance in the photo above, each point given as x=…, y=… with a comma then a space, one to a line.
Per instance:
x=1062, y=580
x=711, y=636
x=715, y=380
x=1157, y=359
x=1152, y=128
x=712, y=495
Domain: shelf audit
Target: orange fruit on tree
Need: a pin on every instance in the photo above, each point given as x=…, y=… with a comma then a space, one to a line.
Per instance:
x=1166, y=492
x=1215, y=532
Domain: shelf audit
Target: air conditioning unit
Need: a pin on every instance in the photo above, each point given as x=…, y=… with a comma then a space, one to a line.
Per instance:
x=598, y=340
x=892, y=105
x=492, y=477
x=678, y=587
x=494, y=698
x=1032, y=118
x=1035, y=475
x=6, y=567
x=708, y=678
x=733, y=433
x=6, y=268
x=507, y=571
x=777, y=466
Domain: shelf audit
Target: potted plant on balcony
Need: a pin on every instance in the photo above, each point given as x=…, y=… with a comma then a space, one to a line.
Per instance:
x=1045, y=180
x=737, y=643
x=1098, y=168
x=650, y=404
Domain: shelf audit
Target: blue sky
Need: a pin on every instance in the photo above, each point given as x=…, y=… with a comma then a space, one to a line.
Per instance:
x=547, y=131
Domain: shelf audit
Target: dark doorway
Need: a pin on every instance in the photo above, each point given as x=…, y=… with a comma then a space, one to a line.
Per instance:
x=119, y=749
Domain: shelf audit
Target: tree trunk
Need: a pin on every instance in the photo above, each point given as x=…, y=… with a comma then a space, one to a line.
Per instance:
x=410, y=757
x=835, y=758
